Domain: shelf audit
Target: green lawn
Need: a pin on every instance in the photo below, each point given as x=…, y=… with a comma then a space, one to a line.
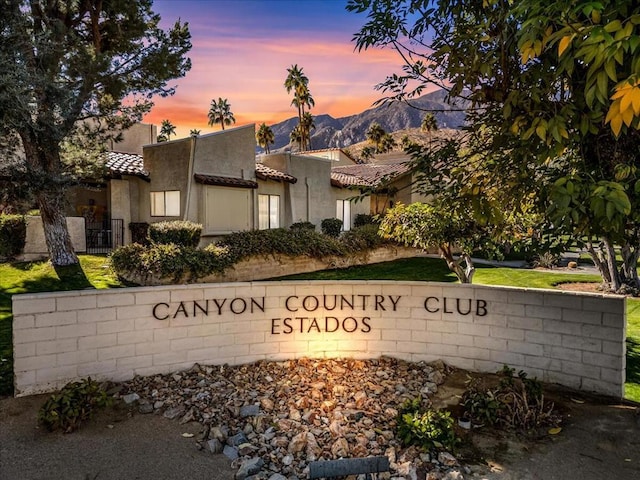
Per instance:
x=40, y=277
x=31, y=277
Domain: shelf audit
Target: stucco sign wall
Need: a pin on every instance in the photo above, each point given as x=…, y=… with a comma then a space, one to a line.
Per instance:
x=572, y=339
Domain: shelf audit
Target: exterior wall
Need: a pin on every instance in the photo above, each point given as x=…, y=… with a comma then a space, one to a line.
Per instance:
x=271, y=187
x=35, y=246
x=572, y=339
x=357, y=206
x=121, y=205
x=134, y=138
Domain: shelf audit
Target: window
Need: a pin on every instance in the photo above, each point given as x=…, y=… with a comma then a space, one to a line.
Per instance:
x=343, y=212
x=165, y=204
x=268, y=211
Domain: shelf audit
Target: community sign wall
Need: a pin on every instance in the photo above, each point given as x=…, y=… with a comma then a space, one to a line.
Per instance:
x=577, y=340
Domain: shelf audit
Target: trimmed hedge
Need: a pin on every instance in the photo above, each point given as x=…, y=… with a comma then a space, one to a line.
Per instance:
x=298, y=225
x=184, y=233
x=13, y=233
x=331, y=227
x=187, y=264
x=363, y=219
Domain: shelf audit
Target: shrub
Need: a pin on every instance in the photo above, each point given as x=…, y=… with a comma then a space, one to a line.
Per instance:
x=516, y=402
x=363, y=238
x=13, y=233
x=331, y=227
x=75, y=403
x=364, y=219
x=139, y=232
x=427, y=429
x=303, y=225
x=184, y=233
x=170, y=260
x=546, y=260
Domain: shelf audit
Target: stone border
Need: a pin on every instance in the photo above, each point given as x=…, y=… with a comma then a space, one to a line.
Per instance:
x=577, y=340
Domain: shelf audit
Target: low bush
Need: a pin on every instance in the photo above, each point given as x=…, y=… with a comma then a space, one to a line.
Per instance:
x=184, y=233
x=75, y=403
x=425, y=428
x=170, y=260
x=13, y=233
x=363, y=219
x=139, y=232
x=516, y=402
x=331, y=227
x=363, y=238
x=302, y=225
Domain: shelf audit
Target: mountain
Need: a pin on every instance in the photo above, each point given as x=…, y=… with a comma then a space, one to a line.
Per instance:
x=341, y=132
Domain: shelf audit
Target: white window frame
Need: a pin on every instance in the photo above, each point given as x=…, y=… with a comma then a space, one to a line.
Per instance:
x=165, y=203
x=273, y=212
x=343, y=212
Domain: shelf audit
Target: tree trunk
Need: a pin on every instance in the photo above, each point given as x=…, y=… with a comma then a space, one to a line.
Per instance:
x=599, y=260
x=56, y=233
x=611, y=263
x=629, y=270
x=464, y=274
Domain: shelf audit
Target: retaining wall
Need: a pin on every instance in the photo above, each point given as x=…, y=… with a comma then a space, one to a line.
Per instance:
x=563, y=337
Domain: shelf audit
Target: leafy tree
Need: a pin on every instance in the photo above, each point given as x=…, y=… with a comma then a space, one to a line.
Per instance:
x=265, y=137
x=166, y=130
x=220, y=112
x=76, y=69
x=298, y=82
x=554, y=84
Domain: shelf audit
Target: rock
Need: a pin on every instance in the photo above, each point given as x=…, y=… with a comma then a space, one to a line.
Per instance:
x=445, y=458
x=572, y=265
x=298, y=443
x=246, y=449
x=219, y=433
x=173, y=413
x=190, y=416
x=453, y=475
x=277, y=476
x=336, y=429
x=145, y=408
x=215, y=446
x=237, y=439
x=130, y=398
x=267, y=404
x=249, y=411
x=436, y=377
x=340, y=448
x=249, y=467
x=313, y=450
x=230, y=452
x=158, y=405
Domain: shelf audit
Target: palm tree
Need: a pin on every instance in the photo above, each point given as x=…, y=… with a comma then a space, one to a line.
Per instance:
x=429, y=125
x=220, y=112
x=375, y=133
x=306, y=125
x=387, y=143
x=194, y=132
x=166, y=130
x=298, y=82
x=265, y=136
x=296, y=135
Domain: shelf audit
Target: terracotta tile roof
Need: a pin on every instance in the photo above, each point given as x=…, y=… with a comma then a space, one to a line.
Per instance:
x=343, y=151
x=366, y=175
x=224, y=181
x=120, y=163
x=266, y=173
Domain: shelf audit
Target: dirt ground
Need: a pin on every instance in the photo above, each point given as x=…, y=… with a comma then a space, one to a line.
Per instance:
x=599, y=440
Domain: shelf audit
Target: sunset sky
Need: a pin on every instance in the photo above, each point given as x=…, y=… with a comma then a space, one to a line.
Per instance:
x=242, y=49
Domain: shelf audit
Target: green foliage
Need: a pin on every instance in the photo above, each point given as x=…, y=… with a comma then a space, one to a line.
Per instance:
x=299, y=225
x=364, y=219
x=13, y=231
x=331, y=227
x=516, y=402
x=72, y=405
x=183, y=233
x=363, y=238
x=139, y=232
x=427, y=429
x=546, y=260
x=180, y=263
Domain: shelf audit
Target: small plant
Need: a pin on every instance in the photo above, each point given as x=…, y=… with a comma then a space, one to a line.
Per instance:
x=362, y=219
x=302, y=225
x=427, y=429
x=183, y=233
x=331, y=227
x=75, y=403
x=516, y=402
x=13, y=231
x=546, y=260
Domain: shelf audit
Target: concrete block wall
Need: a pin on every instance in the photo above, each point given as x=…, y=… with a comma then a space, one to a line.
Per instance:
x=568, y=338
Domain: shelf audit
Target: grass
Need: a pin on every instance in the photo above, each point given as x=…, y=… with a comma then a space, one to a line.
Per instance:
x=40, y=277
x=32, y=277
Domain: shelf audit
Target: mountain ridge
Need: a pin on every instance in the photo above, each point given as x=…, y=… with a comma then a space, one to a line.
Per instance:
x=342, y=132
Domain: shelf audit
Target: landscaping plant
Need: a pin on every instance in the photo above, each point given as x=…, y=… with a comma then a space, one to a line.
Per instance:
x=75, y=403
x=425, y=428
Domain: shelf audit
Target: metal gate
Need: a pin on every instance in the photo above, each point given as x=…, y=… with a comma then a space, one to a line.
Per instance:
x=102, y=237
